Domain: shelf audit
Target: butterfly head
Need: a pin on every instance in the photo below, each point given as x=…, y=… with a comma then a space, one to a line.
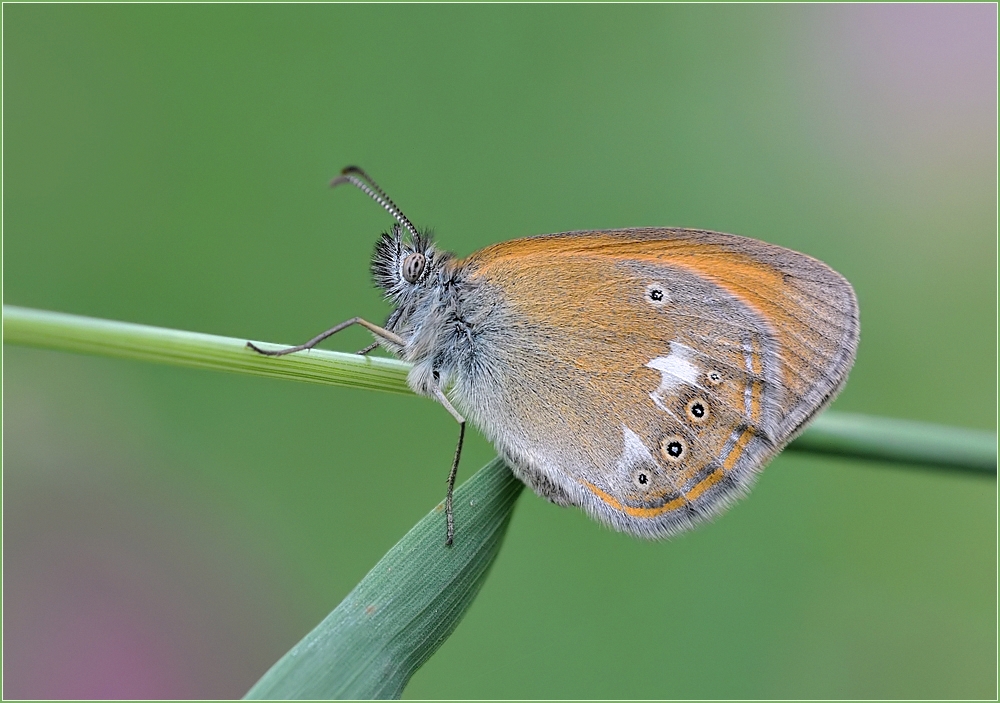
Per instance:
x=406, y=268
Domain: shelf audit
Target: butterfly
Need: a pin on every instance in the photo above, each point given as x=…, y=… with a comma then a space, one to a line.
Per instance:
x=643, y=375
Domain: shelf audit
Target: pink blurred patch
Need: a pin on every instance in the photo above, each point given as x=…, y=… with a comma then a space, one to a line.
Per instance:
x=902, y=84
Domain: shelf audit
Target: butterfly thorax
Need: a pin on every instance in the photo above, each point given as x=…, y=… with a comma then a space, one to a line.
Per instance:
x=427, y=288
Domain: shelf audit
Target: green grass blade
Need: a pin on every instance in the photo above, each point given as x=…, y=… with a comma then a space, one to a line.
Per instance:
x=907, y=441
x=126, y=340
x=859, y=436
x=406, y=606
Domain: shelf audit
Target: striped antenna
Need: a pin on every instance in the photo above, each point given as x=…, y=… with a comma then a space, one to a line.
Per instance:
x=365, y=183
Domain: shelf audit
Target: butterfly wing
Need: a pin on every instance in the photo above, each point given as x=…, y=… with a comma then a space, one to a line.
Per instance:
x=647, y=375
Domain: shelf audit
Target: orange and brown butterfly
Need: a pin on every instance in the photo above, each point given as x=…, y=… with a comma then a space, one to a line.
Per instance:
x=643, y=375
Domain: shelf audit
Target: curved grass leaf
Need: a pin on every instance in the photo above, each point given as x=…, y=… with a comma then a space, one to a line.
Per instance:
x=406, y=606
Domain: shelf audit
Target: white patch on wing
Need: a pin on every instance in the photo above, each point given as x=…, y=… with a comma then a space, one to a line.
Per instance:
x=634, y=452
x=676, y=368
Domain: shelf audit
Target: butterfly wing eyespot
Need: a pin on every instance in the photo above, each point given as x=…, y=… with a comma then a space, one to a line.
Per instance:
x=697, y=410
x=673, y=448
x=714, y=377
x=657, y=295
x=413, y=267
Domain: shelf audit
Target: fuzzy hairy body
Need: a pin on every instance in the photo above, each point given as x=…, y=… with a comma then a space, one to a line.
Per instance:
x=644, y=375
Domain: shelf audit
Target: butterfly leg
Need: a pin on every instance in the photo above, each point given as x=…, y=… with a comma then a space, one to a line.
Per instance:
x=383, y=333
x=448, y=512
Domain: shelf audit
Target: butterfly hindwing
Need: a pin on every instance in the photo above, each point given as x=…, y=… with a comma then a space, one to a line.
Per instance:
x=647, y=375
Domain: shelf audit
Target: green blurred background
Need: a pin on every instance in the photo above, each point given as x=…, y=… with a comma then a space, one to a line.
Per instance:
x=170, y=533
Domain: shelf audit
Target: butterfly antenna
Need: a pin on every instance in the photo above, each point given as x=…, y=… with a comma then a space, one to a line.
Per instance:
x=371, y=189
x=357, y=170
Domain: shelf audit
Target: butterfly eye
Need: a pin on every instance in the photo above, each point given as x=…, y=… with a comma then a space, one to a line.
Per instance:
x=673, y=448
x=413, y=266
x=697, y=410
x=713, y=377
